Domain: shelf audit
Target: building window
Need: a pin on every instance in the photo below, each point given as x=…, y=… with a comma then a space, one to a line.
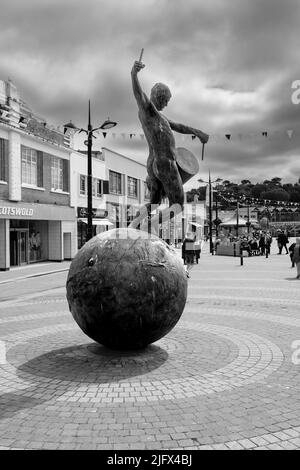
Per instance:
x=83, y=184
x=96, y=186
x=115, y=182
x=132, y=185
x=3, y=159
x=57, y=174
x=146, y=191
x=29, y=166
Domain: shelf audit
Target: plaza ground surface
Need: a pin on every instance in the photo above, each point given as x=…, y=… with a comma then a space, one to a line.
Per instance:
x=226, y=377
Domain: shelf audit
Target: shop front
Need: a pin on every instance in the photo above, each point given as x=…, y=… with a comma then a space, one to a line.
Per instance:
x=100, y=223
x=31, y=233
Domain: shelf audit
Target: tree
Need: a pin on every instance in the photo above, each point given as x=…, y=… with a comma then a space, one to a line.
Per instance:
x=245, y=182
x=257, y=189
x=276, y=181
x=276, y=195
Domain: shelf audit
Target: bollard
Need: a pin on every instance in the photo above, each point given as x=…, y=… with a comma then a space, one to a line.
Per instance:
x=241, y=258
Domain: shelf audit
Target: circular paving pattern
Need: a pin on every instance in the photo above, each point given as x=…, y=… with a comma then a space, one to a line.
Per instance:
x=248, y=359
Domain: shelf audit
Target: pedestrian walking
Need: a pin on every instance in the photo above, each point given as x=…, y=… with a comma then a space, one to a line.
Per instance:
x=268, y=242
x=282, y=241
x=291, y=250
x=262, y=244
x=188, y=252
x=296, y=257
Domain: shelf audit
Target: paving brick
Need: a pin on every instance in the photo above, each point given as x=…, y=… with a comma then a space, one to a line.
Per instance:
x=228, y=381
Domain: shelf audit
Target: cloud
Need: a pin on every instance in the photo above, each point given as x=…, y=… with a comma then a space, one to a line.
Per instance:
x=229, y=66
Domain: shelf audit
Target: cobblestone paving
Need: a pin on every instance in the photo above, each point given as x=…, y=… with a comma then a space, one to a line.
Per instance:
x=223, y=378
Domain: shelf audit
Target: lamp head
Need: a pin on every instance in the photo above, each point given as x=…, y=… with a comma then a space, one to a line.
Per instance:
x=70, y=125
x=108, y=124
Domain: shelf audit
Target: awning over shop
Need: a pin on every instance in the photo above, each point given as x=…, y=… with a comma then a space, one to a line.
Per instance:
x=196, y=224
x=98, y=221
x=233, y=222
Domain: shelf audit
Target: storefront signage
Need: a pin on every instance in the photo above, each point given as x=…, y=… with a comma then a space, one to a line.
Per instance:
x=99, y=213
x=21, y=211
x=25, y=211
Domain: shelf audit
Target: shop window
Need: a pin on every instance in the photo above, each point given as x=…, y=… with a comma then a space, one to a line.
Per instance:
x=132, y=184
x=115, y=182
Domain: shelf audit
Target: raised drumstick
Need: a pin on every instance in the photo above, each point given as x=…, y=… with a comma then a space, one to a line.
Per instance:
x=141, y=55
x=202, y=151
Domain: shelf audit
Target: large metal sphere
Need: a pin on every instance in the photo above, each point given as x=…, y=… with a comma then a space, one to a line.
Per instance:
x=126, y=290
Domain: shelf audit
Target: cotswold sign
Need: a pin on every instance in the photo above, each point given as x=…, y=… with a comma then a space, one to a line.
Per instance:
x=21, y=211
x=28, y=211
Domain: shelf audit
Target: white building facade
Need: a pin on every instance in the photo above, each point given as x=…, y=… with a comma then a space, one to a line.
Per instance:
x=119, y=190
x=37, y=222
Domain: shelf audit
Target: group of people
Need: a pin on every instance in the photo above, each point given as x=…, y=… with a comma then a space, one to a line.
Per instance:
x=258, y=243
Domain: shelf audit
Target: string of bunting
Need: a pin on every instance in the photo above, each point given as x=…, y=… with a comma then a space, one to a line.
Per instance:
x=246, y=201
x=6, y=112
x=289, y=133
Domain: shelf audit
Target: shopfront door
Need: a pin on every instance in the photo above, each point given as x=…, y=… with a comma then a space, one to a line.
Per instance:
x=18, y=247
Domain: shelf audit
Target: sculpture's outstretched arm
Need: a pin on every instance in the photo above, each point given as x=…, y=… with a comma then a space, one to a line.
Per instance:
x=183, y=129
x=140, y=96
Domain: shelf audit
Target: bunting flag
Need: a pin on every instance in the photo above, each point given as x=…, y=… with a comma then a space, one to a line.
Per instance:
x=15, y=119
x=245, y=201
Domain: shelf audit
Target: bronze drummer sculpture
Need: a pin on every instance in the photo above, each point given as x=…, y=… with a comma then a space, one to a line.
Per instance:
x=164, y=174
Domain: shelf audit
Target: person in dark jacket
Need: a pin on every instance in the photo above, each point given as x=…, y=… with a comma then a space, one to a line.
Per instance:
x=282, y=241
x=296, y=257
x=262, y=244
x=291, y=250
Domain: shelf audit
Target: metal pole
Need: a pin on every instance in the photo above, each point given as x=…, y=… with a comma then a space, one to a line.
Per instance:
x=89, y=234
x=237, y=219
x=217, y=231
x=248, y=226
x=210, y=218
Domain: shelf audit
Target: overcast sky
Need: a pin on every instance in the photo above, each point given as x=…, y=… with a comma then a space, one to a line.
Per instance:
x=229, y=64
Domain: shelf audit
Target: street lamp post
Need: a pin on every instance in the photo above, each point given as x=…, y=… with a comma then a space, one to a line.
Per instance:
x=211, y=248
x=237, y=219
x=217, y=219
x=209, y=182
x=108, y=124
x=248, y=217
